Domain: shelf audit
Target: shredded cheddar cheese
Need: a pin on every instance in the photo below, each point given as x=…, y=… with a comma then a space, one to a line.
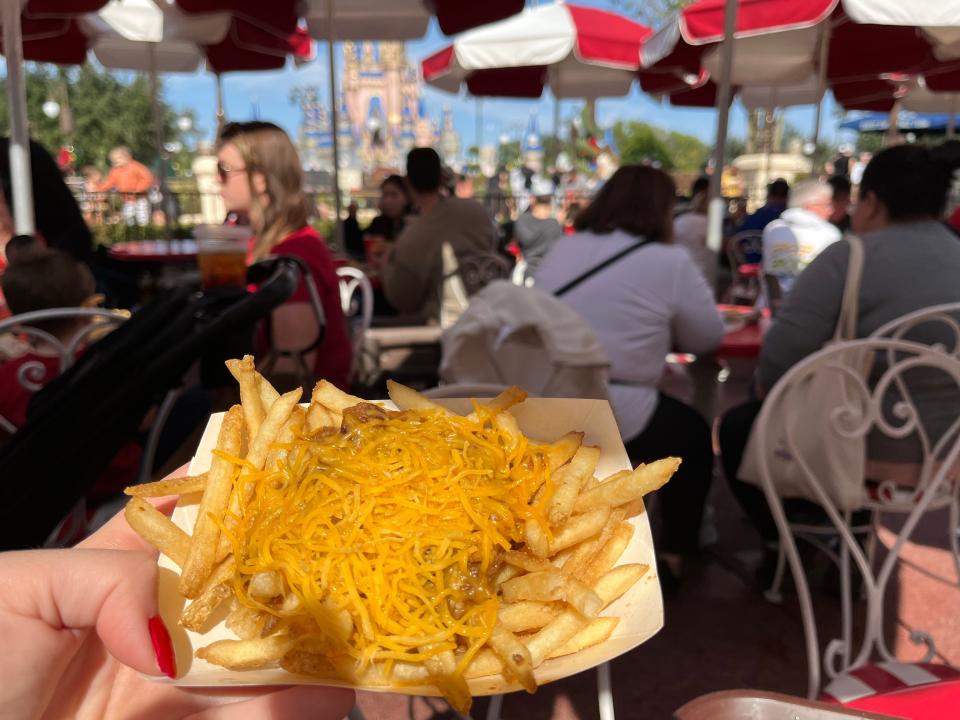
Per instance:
x=389, y=532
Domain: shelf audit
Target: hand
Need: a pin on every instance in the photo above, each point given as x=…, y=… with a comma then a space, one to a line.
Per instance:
x=77, y=625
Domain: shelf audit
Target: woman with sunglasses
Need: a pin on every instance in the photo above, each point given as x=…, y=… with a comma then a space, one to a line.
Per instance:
x=261, y=178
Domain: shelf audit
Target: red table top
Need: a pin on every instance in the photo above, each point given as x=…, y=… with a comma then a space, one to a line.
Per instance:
x=938, y=701
x=156, y=251
x=744, y=342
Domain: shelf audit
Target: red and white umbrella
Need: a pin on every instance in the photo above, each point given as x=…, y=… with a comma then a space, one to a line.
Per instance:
x=575, y=51
x=399, y=19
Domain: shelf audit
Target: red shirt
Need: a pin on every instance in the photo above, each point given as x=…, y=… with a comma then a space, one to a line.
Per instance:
x=334, y=356
x=14, y=400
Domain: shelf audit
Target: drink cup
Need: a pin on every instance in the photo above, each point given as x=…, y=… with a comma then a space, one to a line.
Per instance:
x=222, y=255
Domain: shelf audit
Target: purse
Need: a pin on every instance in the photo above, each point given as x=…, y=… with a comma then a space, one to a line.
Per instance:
x=835, y=459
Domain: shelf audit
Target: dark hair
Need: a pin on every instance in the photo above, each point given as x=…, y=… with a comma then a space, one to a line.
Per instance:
x=398, y=182
x=424, y=172
x=840, y=185
x=20, y=245
x=911, y=181
x=701, y=184
x=41, y=278
x=638, y=200
x=778, y=190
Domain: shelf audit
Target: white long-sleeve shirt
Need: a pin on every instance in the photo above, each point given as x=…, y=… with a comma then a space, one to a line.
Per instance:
x=643, y=306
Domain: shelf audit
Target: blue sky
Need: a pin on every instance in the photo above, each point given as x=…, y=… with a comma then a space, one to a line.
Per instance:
x=270, y=92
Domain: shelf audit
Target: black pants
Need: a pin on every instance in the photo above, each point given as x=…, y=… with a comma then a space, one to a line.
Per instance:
x=734, y=432
x=677, y=429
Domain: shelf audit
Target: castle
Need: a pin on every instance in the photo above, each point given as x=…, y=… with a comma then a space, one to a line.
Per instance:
x=380, y=116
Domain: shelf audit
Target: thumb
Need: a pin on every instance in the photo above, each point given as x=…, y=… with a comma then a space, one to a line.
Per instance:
x=111, y=591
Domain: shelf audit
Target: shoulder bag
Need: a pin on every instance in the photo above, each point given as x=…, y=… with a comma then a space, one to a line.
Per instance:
x=836, y=461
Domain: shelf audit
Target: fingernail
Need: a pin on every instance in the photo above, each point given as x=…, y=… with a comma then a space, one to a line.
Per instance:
x=162, y=647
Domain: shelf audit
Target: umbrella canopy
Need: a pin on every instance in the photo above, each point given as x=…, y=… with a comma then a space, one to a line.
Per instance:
x=144, y=35
x=912, y=122
x=576, y=51
x=779, y=42
x=398, y=19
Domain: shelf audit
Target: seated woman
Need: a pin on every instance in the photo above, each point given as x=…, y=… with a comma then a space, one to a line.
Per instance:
x=644, y=298
x=261, y=176
x=899, y=219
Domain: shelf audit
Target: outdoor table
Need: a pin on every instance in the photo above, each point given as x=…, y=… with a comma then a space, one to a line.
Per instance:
x=743, y=341
x=155, y=251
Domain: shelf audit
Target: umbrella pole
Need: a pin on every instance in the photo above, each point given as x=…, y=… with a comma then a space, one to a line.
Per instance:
x=221, y=117
x=333, y=121
x=158, y=138
x=821, y=91
x=21, y=180
x=479, y=128
x=893, y=124
x=715, y=211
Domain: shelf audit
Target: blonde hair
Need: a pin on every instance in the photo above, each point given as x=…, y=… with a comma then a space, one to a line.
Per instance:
x=266, y=149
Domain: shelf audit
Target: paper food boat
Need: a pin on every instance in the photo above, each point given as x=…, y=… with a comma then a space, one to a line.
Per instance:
x=640, y=610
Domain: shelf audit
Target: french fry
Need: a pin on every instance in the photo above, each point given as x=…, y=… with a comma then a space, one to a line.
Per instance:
x=246, y=622
x=269, y=430
x=319, y=417
x=617, y=581
x=196, y=615
x=589, y=559
x=568, y=480
x=486, y=662
x=536, y=539
x=623, y=489
x=291, y=428
x=169, y=486
x=302, y=662
x=246, y=654
x=608, y=555
x=333, y=398
x=515, y=656
x=265, y=585
x=552, y=585
x=596, y=632
x=406, y=398
x=562, y=450
x=157, y=529
x=580, y=527
x=526, y=561
x=206, y=533
x=245, y=373
x=268, y=394
x=442, y=668
x=507, y=399
x=554, y=634
x=525, y=615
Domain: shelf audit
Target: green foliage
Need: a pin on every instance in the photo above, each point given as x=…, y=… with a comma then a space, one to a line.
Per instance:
x=870, y=142
x=640, y=142
x=107, y=111
x=735, y=147
x=508, y=153
x=108, y=235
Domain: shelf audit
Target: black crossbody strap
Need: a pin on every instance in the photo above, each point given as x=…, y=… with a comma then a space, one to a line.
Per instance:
x=597, y=268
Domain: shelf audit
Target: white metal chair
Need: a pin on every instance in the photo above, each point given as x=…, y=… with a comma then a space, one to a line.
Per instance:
x=878, y=406
x=356, y=300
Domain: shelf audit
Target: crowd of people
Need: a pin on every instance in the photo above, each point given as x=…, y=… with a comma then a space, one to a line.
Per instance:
x=633, y=264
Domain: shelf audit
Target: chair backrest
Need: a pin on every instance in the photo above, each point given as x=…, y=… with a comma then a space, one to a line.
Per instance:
x=356, y=299
x=745, y=247
x=453, y=293
x=32, y=374
x=873, y=406
x=512, y=335
x=271, y=267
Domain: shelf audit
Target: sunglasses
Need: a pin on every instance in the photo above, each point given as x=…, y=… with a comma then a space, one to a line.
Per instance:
x=224, y=171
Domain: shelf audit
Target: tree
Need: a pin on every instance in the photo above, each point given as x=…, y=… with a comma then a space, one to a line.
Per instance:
x=106, y=112
x=735, y=147
x=687, y=152
x=508, y=153
x=641, y=143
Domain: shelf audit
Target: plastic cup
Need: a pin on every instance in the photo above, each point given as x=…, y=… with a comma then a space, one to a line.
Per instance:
x=222, y=255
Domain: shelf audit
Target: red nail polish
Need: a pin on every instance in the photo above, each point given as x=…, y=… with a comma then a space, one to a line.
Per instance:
x=162, y=647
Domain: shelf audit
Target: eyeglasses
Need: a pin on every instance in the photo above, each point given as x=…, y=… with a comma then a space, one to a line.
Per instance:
x=224, y=171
